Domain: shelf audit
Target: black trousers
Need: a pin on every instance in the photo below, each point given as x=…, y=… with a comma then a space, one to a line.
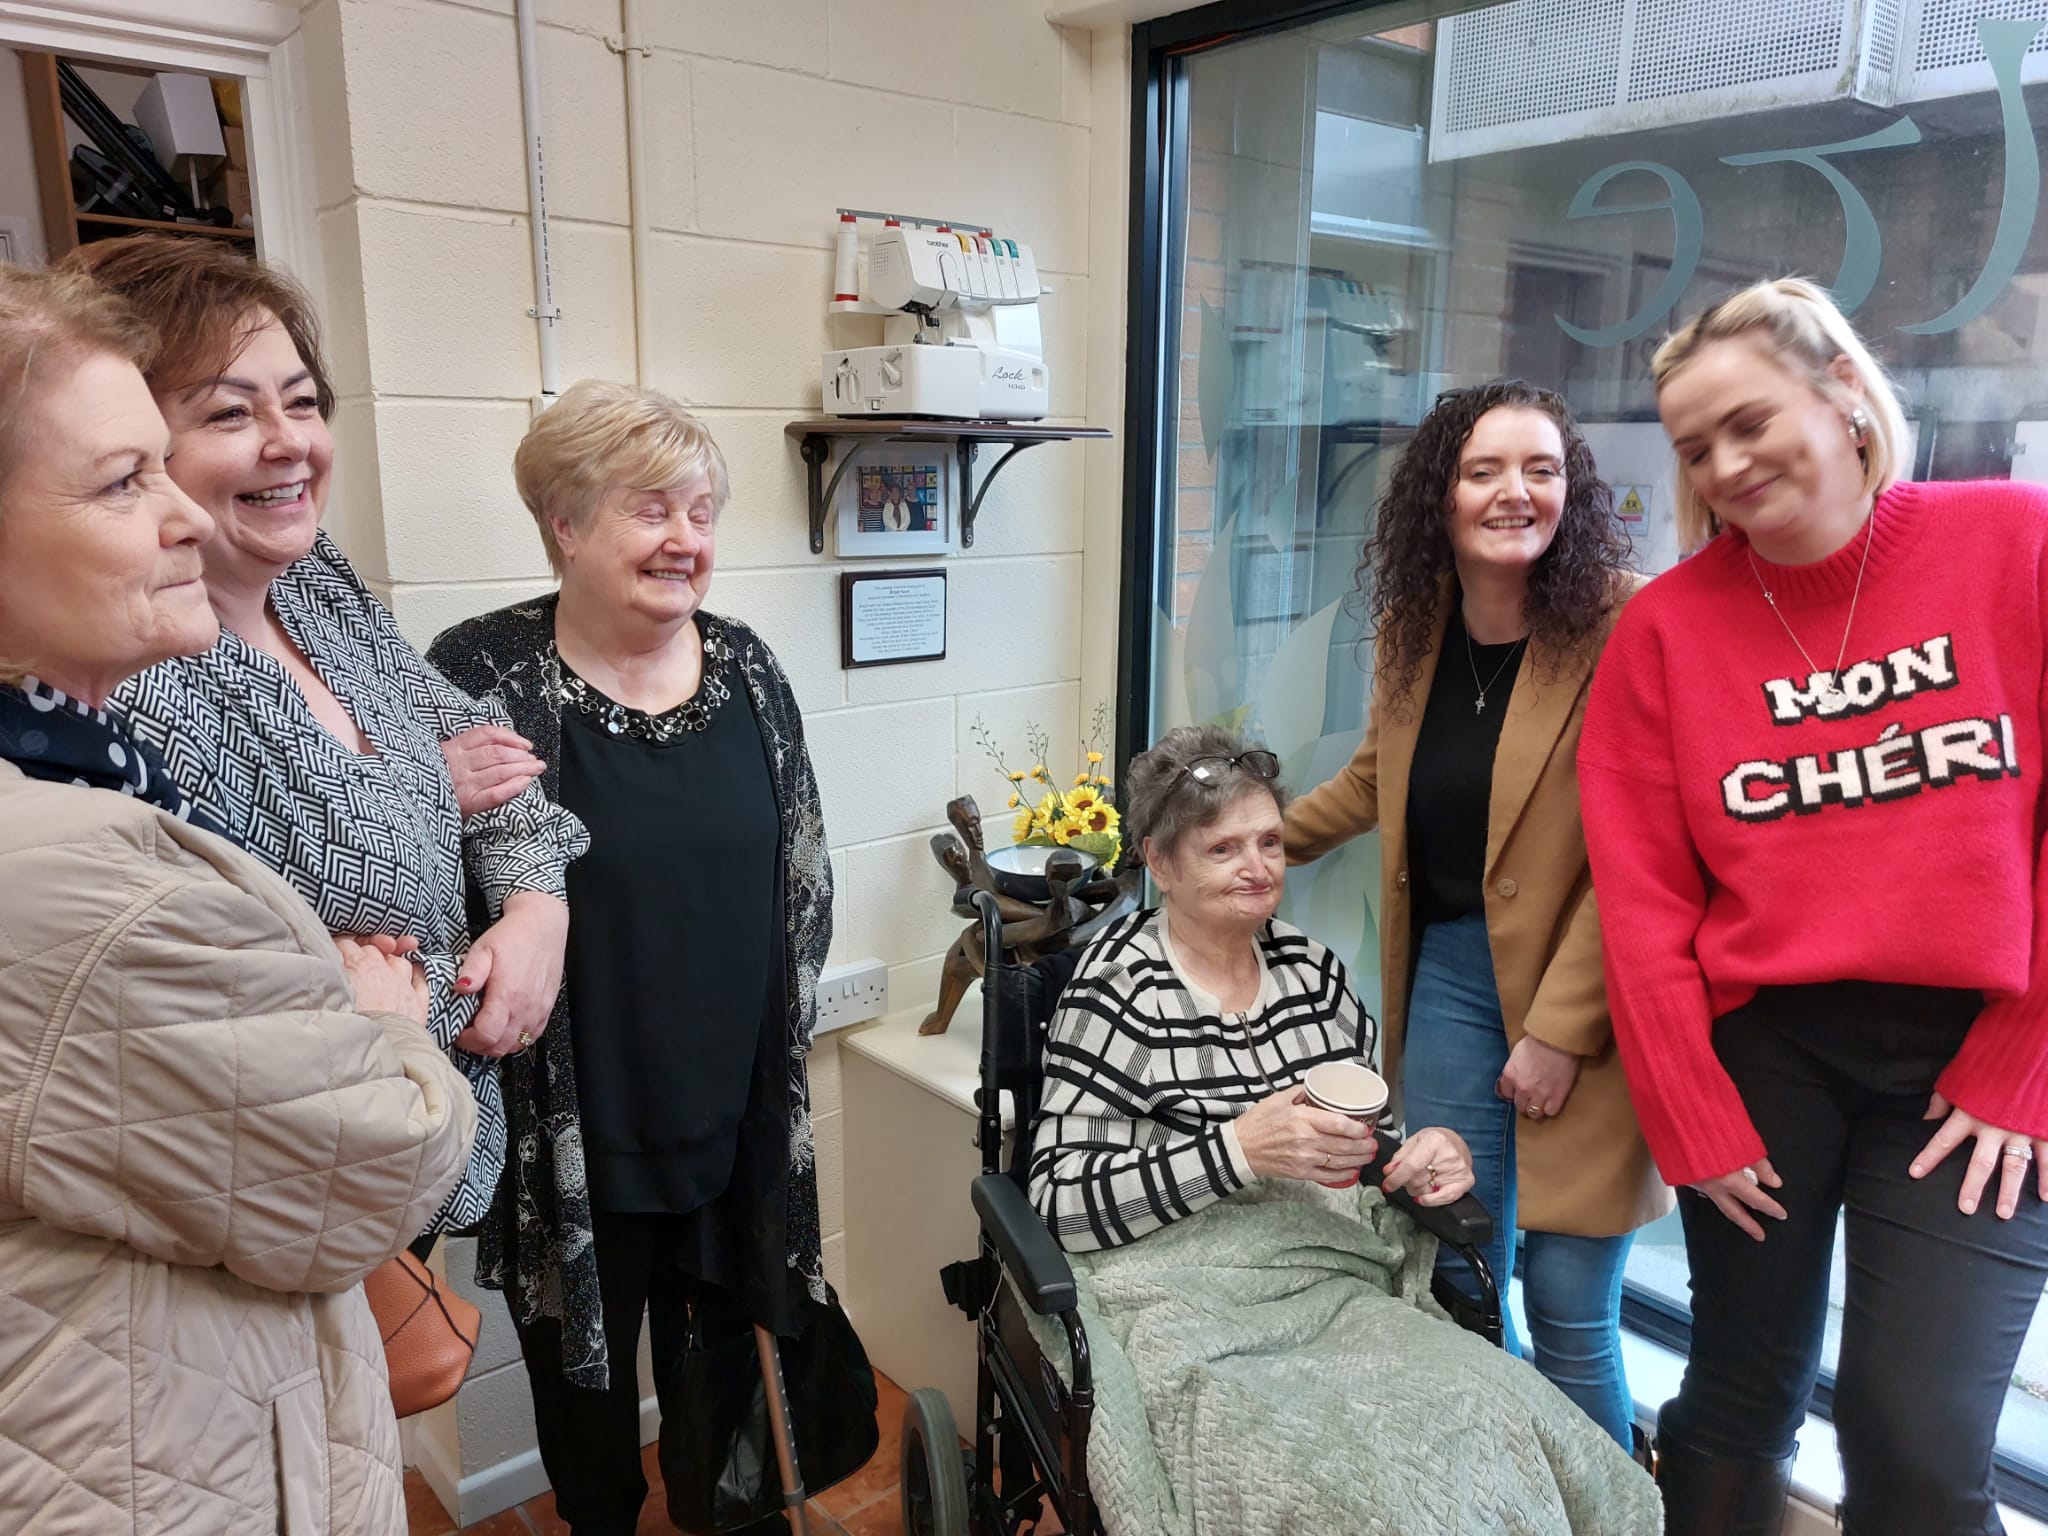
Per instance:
x=1837, y=1078
x=590, y=1440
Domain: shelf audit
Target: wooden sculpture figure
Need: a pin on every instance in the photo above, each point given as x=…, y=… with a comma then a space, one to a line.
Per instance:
x=1077, y=907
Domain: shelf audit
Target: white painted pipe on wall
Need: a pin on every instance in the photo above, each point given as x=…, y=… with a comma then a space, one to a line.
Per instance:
x=641, y=209
x=544, y=312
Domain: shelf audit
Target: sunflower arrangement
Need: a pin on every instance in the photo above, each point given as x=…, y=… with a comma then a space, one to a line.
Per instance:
x=1080, y=815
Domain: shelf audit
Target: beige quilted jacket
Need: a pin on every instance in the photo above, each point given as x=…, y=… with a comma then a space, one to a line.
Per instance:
x=203, y=1150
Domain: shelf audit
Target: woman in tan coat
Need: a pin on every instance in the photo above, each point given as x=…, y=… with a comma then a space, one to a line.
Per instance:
x=1496, y=554
x=213, y=1122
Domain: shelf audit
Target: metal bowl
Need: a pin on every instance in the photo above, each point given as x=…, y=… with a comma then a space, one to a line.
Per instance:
x=1019, y=871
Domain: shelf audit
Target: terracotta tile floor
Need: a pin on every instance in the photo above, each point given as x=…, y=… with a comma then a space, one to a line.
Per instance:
x=864, y=1505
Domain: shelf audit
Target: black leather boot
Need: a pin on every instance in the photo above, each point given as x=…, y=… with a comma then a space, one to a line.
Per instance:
x=1709, y=1495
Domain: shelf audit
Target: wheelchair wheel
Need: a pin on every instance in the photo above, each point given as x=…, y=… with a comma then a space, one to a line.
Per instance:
x=934, y=1468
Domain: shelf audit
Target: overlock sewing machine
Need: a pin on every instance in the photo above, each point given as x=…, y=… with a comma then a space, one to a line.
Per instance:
x=960, y=329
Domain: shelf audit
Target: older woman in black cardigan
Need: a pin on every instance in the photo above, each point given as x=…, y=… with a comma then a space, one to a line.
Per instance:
x=661, y=1145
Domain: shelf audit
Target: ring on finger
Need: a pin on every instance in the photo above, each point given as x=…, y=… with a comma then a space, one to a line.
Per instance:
x=2019, y=1151
x=1534, y=1112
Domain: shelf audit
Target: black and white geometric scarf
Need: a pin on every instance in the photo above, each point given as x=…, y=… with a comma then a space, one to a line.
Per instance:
x=49, y=735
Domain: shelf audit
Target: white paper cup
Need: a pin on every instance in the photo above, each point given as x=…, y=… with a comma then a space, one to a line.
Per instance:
x=1348, y=1088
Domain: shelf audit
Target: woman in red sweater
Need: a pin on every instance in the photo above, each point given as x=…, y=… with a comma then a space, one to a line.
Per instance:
x=1812, y=772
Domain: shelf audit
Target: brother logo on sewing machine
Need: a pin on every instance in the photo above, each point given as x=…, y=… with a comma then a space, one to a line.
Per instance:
x=960, y=327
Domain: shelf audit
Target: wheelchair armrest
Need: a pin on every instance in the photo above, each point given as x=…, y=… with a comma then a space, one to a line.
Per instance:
x=1030, y=1256
x=1464, y=1223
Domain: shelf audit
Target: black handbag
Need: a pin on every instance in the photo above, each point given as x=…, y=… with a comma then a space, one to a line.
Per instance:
x=717, y=1452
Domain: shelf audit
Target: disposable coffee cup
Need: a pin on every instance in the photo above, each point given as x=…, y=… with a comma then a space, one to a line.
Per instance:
x=1348, y=1088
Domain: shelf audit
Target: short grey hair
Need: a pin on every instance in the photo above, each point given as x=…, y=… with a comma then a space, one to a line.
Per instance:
x=1164, y=803
x=598, y=434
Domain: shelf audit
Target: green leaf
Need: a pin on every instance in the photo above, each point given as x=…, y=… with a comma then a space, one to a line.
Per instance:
x=1291, y=704
x=1102, y=844
x=1210, y=643
x=1337, y=908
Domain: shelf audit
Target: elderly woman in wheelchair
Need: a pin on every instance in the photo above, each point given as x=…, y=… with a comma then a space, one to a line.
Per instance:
x=1173, y=1072
x=1250, y=1342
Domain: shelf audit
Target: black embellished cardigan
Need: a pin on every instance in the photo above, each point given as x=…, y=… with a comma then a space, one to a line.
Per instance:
x=536, y=1244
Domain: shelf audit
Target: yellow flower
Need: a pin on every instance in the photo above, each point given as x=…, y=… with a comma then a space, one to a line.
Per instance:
x=1015, y=801
x=1100, y=817
x=1082, y=801
x=1080, y=779
x=1022, y=828
x=1102, y=783
x=1016, y=778
x=1038, y=772
x=1062, y=830
x=1094, y=757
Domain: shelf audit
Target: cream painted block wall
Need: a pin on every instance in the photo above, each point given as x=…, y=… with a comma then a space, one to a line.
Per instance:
x=764, y=117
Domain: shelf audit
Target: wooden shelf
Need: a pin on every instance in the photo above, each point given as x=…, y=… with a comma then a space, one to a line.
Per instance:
x=65, y=228
x=817, y=436
x=165, y=226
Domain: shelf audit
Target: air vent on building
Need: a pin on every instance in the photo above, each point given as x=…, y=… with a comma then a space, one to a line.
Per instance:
x=1947, y=58
x=1534, y=72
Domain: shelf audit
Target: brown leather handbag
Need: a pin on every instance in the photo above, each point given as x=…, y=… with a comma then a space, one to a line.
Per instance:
x=429, y=1334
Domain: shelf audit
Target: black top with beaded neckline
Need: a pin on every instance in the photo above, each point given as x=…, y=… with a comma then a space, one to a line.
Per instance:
x=669, y=973
x=694, y=714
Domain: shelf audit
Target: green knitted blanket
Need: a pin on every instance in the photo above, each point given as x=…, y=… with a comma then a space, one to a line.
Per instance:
x=1273, y=1366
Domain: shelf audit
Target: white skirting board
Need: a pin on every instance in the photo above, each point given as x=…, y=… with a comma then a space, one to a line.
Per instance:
x=516, y=1479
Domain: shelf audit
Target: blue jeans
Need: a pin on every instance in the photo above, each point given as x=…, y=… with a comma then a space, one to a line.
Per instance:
x=1456, y=1047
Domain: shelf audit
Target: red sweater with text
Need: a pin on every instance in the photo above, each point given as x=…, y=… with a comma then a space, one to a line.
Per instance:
x=1751, y=827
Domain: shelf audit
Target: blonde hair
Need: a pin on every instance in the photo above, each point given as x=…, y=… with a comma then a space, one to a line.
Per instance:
x=598, y=435
x=1798, y=322
x=50, y=320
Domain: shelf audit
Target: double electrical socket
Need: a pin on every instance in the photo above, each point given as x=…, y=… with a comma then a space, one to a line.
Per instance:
x=851, y=994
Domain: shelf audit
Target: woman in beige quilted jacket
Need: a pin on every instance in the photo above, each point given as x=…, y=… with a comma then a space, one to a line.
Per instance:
x=213, y=1123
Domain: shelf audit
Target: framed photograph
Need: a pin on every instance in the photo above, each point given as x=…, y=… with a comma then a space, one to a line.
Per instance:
x=886, y=617
x=896, y=499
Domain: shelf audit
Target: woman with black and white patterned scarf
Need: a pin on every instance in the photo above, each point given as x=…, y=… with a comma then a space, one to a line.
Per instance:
x=314, y=730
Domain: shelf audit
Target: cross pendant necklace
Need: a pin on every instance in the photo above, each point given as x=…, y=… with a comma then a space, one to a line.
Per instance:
x=1831, y=691
x=1472, y=661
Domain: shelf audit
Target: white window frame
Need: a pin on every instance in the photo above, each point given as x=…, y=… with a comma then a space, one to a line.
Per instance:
x=256, y=41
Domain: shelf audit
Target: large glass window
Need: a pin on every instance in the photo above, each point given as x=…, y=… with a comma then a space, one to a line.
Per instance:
x=1350, y=214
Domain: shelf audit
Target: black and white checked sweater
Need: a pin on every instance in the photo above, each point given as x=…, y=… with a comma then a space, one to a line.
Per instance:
x=1144, y=1080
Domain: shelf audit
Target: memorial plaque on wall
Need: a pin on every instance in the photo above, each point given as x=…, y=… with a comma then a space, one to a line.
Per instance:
x=889, y=617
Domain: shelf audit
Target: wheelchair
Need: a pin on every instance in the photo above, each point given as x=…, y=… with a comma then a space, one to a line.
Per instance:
x=1030, y=1443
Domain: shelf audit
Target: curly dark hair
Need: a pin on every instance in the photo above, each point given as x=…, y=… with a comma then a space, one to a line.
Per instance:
x=1408, y=552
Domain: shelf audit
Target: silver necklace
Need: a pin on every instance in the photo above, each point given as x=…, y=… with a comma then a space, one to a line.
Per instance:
x=1831, y=691
x=1472, y=661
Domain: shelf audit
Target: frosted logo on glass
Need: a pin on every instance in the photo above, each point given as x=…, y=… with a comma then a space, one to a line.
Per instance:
x=2005, y=44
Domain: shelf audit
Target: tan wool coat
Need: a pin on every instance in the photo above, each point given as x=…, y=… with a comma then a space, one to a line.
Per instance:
x=203, y=1150
x=1586, y=1172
